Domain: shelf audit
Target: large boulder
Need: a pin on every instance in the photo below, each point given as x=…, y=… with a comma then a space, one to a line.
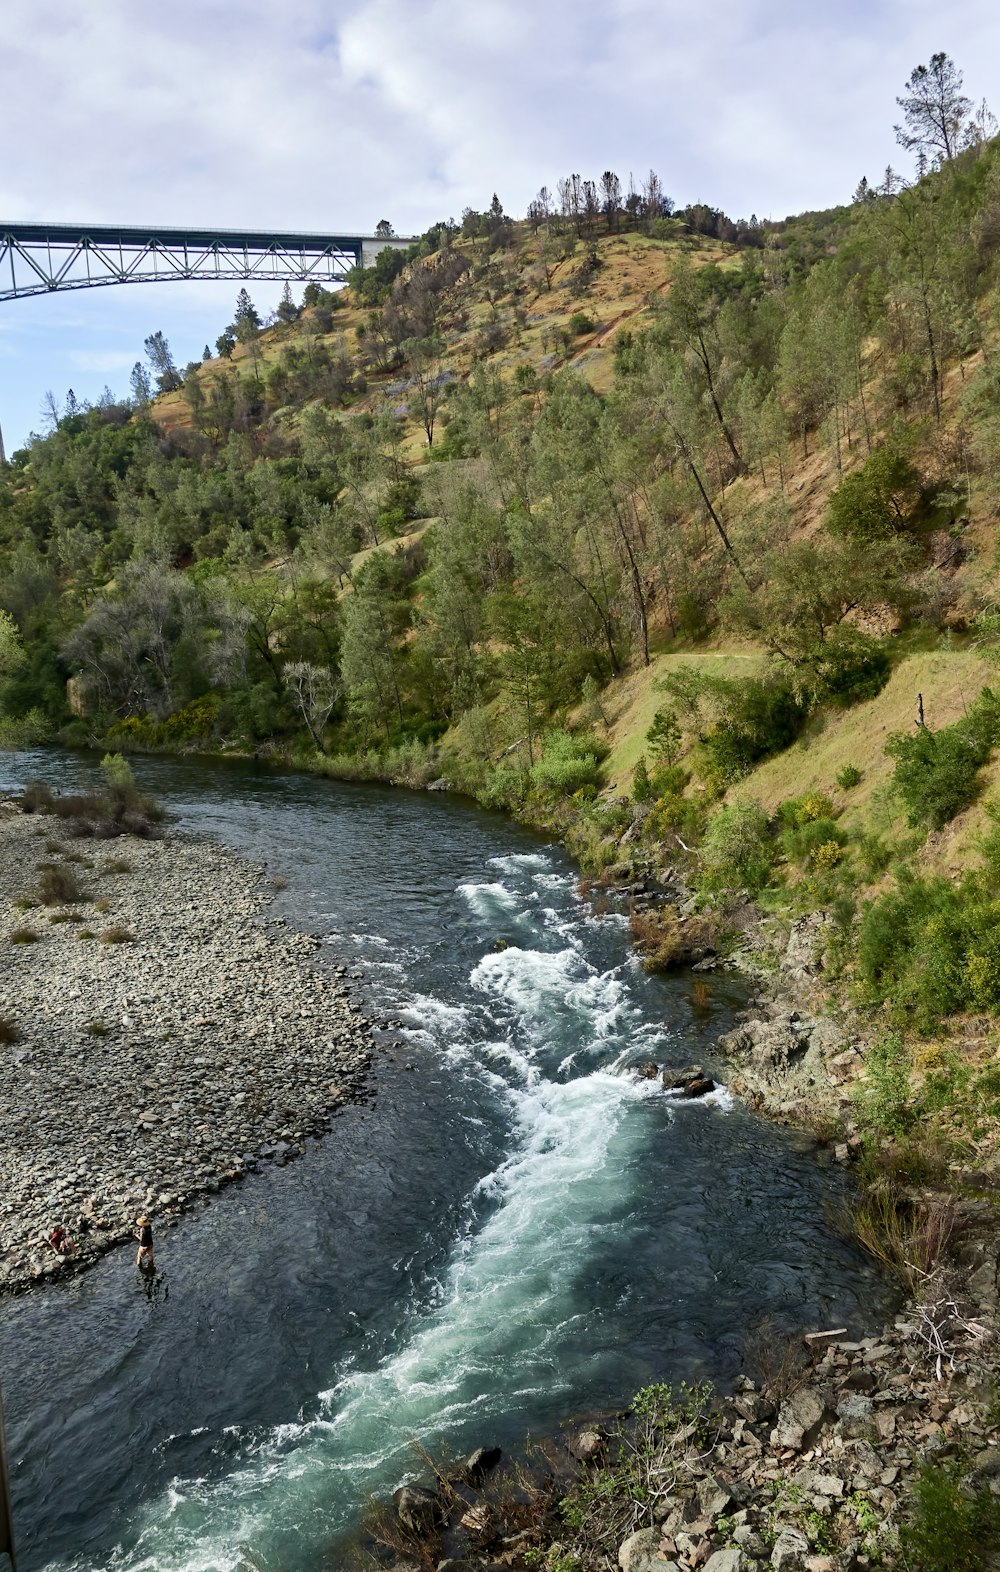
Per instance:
x=676, y=1080
x=729, y=1560
x=713, y=1496
x=641, y=1553
x=799, y=1419
x=586, y=1445
x=699, y=1087
x=418, y=1509
x=791, y=1550
x=474, y=1468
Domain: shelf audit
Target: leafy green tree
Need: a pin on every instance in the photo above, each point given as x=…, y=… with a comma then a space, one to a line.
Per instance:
x=142, y=388
x=428, y=382
x=375, y=618
x=664, y=737
x=287, y=310
x=806, y=589
x=168, y=378
x=246, y=326
x=874, y=502
x=935, y=110
x=691, y=314
x=128, y=648
x=737, y=850
x=11, y=644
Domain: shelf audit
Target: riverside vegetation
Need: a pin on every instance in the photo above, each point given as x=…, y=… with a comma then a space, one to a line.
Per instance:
x=672, y=534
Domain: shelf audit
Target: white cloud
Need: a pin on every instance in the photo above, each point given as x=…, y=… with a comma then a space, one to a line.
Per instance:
x=105, y=361
x=334, y=113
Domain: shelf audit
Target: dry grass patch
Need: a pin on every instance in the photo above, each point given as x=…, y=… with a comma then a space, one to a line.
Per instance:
x=907, y=1236
x=667, y=941
x=117, y=935
x=949, y=682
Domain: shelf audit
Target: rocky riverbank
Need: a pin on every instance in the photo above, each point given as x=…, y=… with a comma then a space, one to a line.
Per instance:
x=160, y=1036
x=804, y=1469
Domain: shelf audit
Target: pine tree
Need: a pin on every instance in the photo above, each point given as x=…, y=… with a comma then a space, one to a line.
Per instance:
x=935, y=110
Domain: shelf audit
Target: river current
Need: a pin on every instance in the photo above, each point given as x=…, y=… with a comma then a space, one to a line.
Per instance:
x=511, y=1231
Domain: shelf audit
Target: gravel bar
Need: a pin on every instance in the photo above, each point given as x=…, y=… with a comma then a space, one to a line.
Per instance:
x=138, y=1075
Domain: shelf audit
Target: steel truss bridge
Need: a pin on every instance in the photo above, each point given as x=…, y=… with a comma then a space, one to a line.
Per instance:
x=37, y=259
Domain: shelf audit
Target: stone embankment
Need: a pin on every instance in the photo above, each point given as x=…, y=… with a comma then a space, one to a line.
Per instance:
x=160, y=1036
x=806, y=1469
x=813, y=1480
x=789, y=1062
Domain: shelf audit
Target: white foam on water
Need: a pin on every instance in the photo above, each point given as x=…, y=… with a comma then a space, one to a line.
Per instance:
x=542, y=987
x=719, y=1097
x=497, y=1335
x=516, y=862
x=504, y=1323
x=489, y=899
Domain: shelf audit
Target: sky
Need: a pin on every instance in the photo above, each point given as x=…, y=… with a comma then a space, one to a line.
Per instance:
x=332, y=114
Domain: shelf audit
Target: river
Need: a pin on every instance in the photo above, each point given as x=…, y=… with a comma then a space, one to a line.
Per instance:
x=509, y=1232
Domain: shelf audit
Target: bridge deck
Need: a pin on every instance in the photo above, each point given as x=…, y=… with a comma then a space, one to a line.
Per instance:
x=38, y=258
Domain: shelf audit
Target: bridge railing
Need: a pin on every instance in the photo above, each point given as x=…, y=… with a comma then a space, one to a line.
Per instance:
x=39, y=259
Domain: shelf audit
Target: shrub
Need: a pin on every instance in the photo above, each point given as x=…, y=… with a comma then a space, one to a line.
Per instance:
x=883, y=1099
x=906, y=1236
x=119, y=809
x=580, y=323
x=665, y=942
x=675, y=808
x=36, y=798
x=950, y=1529
x=24, y=936
x=503, y=788
x=913, y=946
x=805, y=837
x=58, y=886
x=118, y=774
x=642, y=789
x=826, y=857
x=754, y=717
x=568, y=763
x=116, y=935
x=850, y=666
x=936, y=771
x=849, y=777
x=737, y=850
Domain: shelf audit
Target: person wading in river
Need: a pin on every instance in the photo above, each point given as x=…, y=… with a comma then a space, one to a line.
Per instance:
x=144, y=1254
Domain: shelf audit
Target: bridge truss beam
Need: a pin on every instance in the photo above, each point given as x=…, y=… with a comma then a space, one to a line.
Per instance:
x=38, y=259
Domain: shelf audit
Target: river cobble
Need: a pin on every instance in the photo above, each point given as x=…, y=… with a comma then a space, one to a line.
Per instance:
x=162, y=1036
